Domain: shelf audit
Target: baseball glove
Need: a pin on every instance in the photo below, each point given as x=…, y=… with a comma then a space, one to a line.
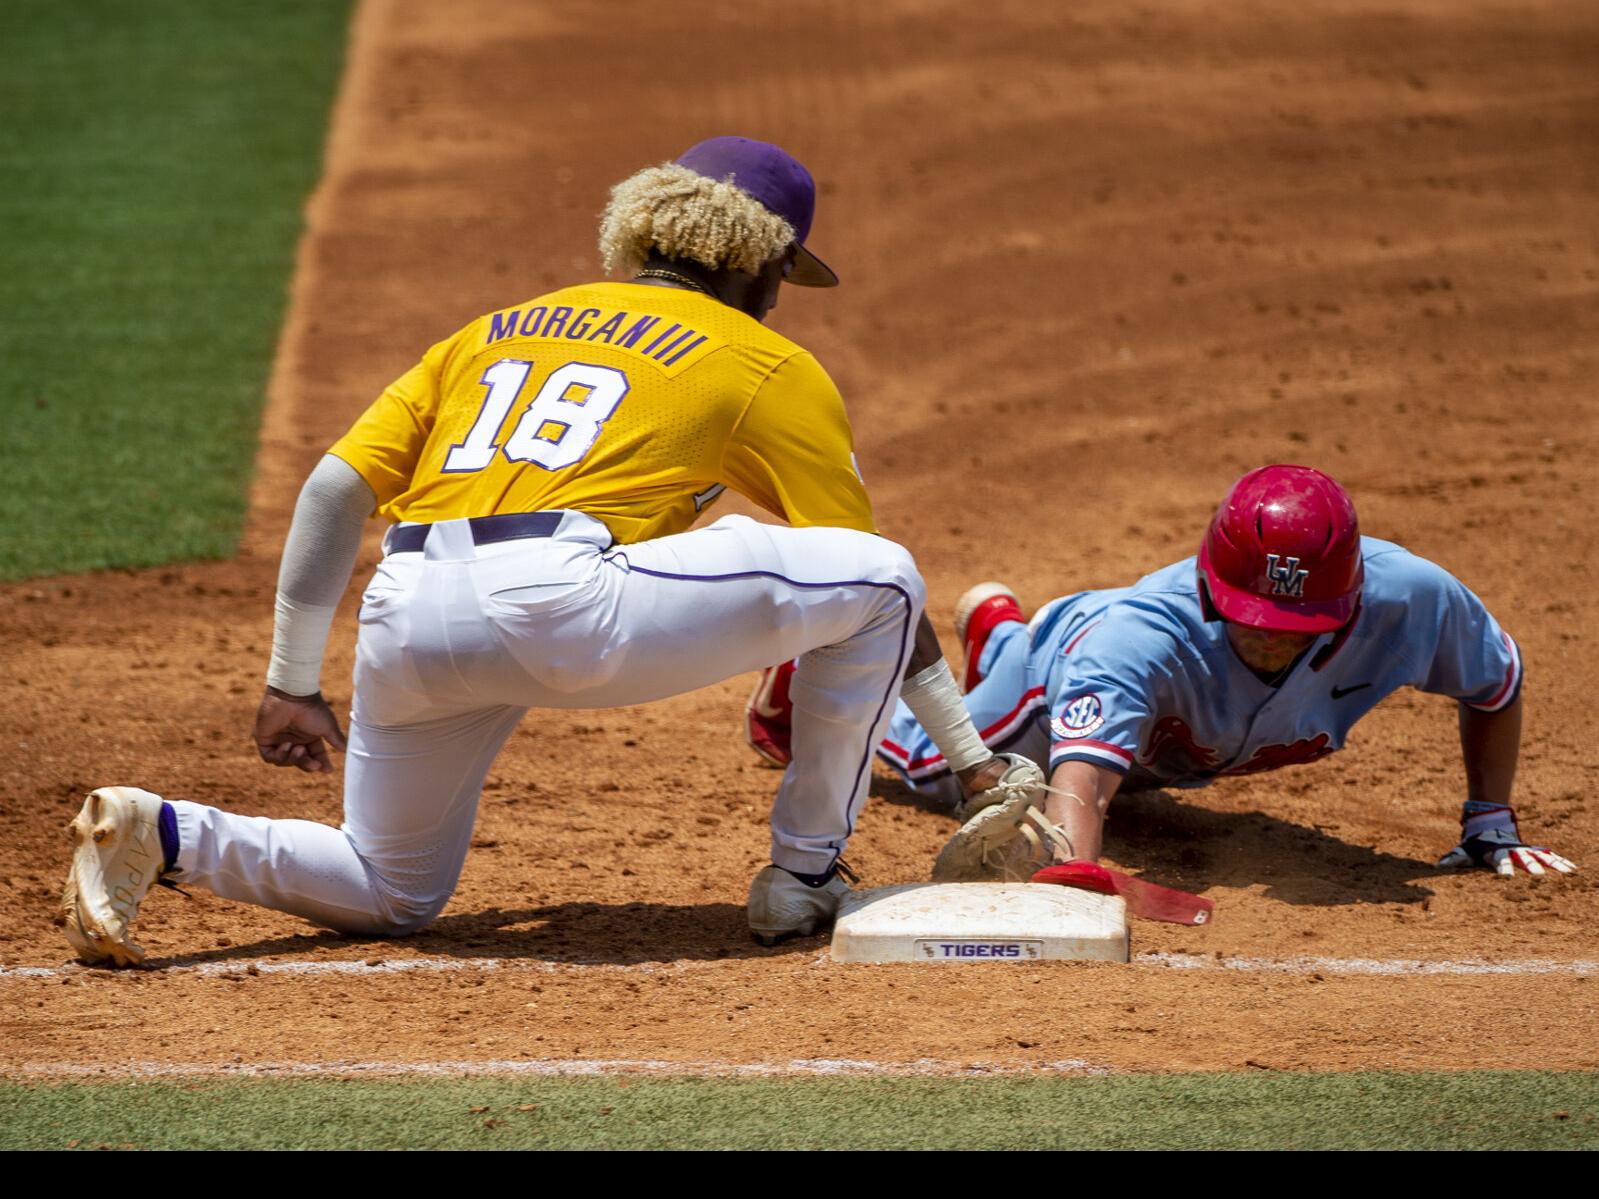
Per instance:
x=1005, y=836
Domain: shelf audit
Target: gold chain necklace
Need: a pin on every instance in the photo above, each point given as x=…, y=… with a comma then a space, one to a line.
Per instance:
x=674, y=277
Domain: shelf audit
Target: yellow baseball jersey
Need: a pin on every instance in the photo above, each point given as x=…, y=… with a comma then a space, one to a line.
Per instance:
x=635, y=404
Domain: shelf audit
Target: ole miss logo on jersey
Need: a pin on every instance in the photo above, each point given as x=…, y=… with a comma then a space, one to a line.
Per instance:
x=1286, y=579
x=1174, y=748
x=1175, y=752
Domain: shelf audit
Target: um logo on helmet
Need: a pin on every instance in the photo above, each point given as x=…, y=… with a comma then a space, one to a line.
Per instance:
x=1286, y=579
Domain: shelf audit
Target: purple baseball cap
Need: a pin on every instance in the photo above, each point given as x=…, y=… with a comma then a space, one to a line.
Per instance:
x=778, y=181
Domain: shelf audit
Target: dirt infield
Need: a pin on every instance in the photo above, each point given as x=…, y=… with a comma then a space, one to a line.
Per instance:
x=1095, y=266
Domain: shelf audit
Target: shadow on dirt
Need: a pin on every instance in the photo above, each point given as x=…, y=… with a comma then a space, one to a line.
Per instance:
x=1151, y=833
x=575, y=933
x=891, y=790
x=1184, y=845
x=1180, y=844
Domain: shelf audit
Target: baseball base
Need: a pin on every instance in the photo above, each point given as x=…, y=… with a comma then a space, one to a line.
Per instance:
x=980, y=922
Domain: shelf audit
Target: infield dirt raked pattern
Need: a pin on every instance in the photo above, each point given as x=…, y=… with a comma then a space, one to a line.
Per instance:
x=1095, y=266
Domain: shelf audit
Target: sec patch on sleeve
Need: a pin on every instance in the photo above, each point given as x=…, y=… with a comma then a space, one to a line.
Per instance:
x=1081, y=717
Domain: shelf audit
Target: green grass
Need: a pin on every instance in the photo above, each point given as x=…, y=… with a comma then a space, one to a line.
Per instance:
x=154, y=162
x=1189, y=1111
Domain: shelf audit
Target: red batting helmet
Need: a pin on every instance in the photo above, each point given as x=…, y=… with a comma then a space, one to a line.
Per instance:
x=1283, y=552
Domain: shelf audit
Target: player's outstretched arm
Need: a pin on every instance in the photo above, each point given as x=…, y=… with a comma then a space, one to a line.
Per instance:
x=1005, y=836
x=294, y=726
x=932, y=696
x=1490, y=743
x=1079, y=795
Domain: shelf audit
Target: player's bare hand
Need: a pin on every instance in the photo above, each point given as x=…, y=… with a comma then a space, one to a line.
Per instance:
x=974, y=780
x=297, y=730
x=1505, y=855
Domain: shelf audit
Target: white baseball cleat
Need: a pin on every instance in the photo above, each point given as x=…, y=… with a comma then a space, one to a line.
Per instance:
x=116, y=861
x=781, y=906
x=996, y=842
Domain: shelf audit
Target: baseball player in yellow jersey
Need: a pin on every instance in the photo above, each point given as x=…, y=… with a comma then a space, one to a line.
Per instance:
x=541, y=468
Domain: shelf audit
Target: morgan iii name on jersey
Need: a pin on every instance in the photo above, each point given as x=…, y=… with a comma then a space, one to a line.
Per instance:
x=1136, y=679
x=637, y=405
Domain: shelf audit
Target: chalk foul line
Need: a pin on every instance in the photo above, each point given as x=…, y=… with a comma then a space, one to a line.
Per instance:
x=556, y=1068
x=1298, y=964
x=588, y=1067
x=1306, y=964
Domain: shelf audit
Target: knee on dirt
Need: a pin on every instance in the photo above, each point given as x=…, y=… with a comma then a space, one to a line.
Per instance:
x=394, y=916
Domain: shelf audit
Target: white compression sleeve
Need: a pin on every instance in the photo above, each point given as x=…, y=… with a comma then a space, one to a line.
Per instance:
x=299, y=639
x=317, y=560
x=936, y=703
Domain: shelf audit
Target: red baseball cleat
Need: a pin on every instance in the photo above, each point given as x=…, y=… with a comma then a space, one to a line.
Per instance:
x=769, y=716
x=977, y=613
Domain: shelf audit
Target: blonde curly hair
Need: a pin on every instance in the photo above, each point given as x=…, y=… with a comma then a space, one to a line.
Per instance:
x=677, y=213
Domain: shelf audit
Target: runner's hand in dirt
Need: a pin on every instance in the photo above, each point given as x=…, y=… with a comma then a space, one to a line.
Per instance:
x=1491, y=838
x=1504, y=853
x=297, y=730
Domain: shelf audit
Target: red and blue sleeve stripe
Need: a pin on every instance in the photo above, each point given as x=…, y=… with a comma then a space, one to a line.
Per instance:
x=1509, y=687
x=1100, y=753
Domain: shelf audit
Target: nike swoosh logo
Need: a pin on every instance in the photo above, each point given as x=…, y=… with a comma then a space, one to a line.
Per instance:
x=1340, y=692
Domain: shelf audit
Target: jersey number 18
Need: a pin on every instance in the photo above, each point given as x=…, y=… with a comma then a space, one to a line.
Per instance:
x=559, y=426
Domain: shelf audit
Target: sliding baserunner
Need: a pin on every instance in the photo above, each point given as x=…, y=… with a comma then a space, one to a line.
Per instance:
x=1261, y=653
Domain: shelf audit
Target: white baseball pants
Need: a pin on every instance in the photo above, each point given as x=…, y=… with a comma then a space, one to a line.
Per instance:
x=457, y=641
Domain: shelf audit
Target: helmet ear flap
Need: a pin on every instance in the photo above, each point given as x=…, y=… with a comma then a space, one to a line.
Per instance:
x=1207, y=608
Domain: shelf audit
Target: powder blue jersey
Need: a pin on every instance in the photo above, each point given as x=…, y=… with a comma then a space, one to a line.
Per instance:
x=1136, y=680
x=1141, y=683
